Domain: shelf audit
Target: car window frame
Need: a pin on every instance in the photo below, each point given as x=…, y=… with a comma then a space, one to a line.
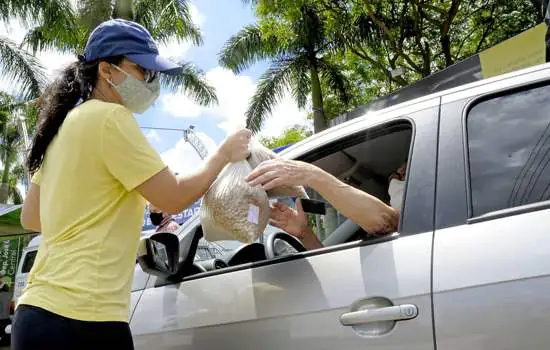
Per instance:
x=430, y=130
x=470, y=104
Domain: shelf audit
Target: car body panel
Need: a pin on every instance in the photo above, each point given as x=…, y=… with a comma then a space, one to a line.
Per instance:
x=491, y=274
x=491, y=283
x=297, y=303
x=293, y=304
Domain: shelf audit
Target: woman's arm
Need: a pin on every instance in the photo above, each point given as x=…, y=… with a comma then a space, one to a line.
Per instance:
x=30, y=214
x=172, y=193
x=130, y=158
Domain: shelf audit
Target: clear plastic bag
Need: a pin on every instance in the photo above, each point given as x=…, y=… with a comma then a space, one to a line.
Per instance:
x=232, y=209
x=258, y=154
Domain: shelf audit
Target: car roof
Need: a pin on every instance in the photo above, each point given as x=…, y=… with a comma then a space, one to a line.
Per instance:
x=296, y=149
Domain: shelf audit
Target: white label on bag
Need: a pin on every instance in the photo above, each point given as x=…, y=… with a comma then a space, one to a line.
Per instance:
x=253, y=213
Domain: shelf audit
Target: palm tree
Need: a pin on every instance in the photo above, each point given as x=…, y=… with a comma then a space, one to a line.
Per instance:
x=299, y=53
x=11, y=145
x=17, y=65
x=167, y=20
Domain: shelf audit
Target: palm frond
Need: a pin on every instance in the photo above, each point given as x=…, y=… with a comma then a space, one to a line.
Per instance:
x=22, y=9
x=300, y=86
x=18, y=172
x=333, y=77
x=271, y=88
x=52, y=32
x=168, y=20
x=191, y=82
x=15, y=195
x=247, y=47
x=21, y=68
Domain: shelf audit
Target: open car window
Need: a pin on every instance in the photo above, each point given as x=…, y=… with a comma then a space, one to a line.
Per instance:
x=365, y=160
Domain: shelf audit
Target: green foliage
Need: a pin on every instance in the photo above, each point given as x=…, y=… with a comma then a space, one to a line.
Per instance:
x=11, y=145
x=293, y=37
x=366, y=40
x=291, y=135
x=60, y=27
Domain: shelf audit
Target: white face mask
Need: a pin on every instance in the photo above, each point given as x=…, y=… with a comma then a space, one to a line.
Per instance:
x=396, y=190
x=137, y=95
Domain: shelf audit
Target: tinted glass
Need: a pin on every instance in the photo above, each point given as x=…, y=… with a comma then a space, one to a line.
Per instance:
x=509, y=150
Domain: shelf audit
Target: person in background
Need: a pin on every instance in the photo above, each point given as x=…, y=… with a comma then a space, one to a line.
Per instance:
x=3, y=285
x=396, y=186
x=93, y=173
x=164, y=222
x=367, y=211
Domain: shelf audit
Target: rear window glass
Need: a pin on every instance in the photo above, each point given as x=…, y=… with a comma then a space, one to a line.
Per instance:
x=28, y=261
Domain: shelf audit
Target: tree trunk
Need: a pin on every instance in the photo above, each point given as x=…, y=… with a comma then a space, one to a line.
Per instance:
x=124, y=9
x=4, y=185
x=93, y=12
x=319, y=121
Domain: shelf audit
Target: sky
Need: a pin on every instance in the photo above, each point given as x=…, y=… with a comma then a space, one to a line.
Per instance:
x=218, y=20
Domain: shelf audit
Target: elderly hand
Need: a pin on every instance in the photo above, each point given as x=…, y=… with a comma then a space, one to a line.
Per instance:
x=291, y=221
x=279, y=172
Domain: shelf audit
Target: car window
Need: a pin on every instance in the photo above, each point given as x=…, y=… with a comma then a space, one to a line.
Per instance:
x=365, y=160
x=509, y=150
x=28, y=261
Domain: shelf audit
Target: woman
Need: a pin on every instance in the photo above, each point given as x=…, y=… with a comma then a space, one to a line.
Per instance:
x=367, y=211
x=93, y=173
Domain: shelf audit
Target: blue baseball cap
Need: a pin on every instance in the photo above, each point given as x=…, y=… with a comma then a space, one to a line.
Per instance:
x=119, y=37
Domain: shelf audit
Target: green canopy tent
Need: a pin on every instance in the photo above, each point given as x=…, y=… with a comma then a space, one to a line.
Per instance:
x=10, y=220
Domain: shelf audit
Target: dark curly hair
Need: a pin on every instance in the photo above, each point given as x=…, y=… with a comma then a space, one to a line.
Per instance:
x=74, y=84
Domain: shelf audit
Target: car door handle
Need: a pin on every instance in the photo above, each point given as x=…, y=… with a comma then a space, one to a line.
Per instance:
x=391, y=313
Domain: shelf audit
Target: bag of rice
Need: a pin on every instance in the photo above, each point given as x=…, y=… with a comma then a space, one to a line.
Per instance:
x=232, y=209
x=260, y=153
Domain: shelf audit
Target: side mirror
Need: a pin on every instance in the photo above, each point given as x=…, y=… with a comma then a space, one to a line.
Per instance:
x=159, y=254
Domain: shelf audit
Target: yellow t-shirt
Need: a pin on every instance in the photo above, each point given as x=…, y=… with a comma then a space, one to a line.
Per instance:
x=90, y=213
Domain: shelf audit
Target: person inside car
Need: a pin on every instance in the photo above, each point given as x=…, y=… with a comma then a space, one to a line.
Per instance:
x=163, y=221
x=396, y=186
x=367, y=211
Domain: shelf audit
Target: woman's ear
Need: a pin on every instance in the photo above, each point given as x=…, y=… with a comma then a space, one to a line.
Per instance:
x=104, y=70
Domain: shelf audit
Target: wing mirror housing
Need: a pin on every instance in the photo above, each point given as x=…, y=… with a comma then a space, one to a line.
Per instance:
x=159, y=253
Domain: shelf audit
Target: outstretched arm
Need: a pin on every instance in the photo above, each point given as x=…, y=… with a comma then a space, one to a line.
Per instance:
x=367, y=211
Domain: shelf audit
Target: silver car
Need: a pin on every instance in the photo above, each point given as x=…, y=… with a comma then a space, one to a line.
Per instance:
x=469, y=267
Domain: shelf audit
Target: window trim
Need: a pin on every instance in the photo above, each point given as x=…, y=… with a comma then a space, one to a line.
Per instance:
x=496, y=214
x=504, y=213
x=306, y=157
x=282, y=259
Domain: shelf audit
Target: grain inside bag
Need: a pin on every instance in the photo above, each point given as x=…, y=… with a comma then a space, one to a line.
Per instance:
x=232, y=209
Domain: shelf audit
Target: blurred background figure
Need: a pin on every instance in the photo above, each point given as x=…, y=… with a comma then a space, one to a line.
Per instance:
x=163, y=221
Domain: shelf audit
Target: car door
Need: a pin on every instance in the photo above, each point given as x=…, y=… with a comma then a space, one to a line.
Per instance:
x=297, y=301
x=491, y=248
x=139, y=282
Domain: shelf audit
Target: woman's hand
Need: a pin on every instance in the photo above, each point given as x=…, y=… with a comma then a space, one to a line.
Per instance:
x=291, y=221
x=235, y=146
x=279, y=172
